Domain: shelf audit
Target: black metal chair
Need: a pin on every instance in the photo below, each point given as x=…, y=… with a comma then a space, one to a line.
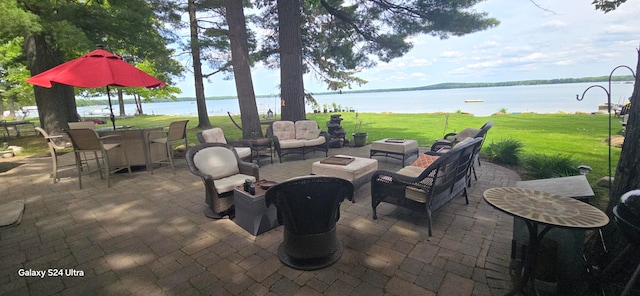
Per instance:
x=309, y=208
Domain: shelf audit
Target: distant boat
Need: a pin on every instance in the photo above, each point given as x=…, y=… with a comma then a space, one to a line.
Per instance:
x=103, y=111
x=473, y=101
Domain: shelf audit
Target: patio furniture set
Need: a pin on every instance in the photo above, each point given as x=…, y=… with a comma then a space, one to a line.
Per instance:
x=308, y=206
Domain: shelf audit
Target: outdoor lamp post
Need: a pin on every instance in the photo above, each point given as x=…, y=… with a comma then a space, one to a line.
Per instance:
x=608, y=92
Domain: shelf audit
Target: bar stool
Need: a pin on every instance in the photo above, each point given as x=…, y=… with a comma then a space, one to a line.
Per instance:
x=177, y=132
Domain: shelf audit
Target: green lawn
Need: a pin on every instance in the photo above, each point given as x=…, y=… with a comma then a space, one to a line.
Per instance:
x=581, y=136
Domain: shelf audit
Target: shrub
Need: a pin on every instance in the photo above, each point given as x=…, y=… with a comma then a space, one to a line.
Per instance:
x=540, y=166
x=504, y=152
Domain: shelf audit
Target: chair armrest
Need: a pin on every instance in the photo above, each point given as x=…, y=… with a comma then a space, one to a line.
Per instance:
x=449, y=135
x=387, y=177
x=240, y=143
x=439, y=144
x=248, y=168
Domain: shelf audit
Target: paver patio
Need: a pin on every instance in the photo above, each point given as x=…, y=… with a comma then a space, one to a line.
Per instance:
x=147, y=235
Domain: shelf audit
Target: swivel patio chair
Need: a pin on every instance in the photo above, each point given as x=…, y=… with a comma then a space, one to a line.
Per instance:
x=221, y=171
x=55, y=143
x=87, y=140
x=216, y=135
x=177, y=132
x=309, y=208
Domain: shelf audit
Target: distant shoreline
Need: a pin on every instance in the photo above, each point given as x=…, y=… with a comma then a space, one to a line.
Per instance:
x=448, y=85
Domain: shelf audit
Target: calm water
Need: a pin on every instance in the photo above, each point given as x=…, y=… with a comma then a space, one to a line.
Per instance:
x=533, y=98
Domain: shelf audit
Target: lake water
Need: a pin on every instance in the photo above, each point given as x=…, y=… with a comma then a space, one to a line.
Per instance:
x=549, y=98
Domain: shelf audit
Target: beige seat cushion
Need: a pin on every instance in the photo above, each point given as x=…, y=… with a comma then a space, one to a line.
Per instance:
x=214, y=135
x=284, y=130
x=229, y=183
x=293, y=143
x=218, y=162
x=412, y=193
x=315, y=142
x=307, y=129
x=463, y=134
x=243, y=152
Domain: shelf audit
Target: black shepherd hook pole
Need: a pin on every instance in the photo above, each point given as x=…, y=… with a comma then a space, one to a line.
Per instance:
x=608, y=91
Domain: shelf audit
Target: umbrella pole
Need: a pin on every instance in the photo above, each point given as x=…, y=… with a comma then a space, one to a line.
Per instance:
x=111, y=116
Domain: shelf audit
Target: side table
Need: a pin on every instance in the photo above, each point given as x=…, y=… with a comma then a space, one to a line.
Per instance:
x=252, y=213
x=261, y=146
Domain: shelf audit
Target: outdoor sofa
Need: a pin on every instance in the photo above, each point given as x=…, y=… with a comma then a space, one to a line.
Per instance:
x=429, y=183
x=302, y=136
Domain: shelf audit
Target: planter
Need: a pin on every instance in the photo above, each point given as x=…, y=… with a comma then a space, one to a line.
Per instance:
x=360, y=139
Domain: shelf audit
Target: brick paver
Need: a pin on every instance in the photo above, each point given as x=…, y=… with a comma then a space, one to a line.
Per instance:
x=147, y=235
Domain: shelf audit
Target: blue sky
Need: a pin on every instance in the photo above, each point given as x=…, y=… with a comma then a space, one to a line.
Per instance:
x=574, y=40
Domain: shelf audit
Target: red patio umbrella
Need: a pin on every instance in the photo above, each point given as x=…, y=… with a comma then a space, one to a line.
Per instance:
x=98, y=68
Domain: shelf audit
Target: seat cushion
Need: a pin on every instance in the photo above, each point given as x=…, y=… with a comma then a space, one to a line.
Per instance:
x=214, y=135
x=284, y=130
x=243, y=152
x=307, y=129
x=218, y=162
x=229, y=183
x=465, y=133
x=293, y=143
x=315, y=142
x=413, y=193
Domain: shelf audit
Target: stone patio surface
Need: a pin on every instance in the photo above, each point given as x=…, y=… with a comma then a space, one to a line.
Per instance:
x=147, y=235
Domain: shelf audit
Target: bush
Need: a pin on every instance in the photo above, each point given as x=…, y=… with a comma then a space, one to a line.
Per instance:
x=540, y=166
x=504, y=152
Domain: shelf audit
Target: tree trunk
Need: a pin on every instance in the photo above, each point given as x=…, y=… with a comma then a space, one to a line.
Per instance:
x=56, y=105
x=628, y=168
x=121, y=102
x=12, y=108
x=203, y=117
x=242, y=70
x=626, y=175
x=138, y=100
x=290, y=40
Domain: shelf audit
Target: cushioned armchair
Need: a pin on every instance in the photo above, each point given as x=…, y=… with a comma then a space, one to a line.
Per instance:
x=216, y=135
x=221, y=170
x=451, y=139
x=309, y=208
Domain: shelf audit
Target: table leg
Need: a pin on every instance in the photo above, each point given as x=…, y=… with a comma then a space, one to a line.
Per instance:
x=529, y=264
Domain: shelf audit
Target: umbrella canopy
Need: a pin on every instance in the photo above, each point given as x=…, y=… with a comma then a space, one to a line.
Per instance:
x=98, y=68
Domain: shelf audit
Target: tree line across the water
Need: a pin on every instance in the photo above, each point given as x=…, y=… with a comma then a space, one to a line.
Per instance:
x=448, y=85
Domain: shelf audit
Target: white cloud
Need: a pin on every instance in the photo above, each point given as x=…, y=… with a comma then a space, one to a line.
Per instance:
x=451, y=54
x=555, y=24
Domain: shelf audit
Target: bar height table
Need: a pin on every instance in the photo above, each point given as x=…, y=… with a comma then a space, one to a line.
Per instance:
x=544, y=209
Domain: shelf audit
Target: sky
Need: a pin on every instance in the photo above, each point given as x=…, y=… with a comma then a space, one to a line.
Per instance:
x=566, y=39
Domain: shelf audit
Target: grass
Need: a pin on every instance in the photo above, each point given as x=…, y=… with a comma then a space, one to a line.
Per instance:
x=581, y=136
